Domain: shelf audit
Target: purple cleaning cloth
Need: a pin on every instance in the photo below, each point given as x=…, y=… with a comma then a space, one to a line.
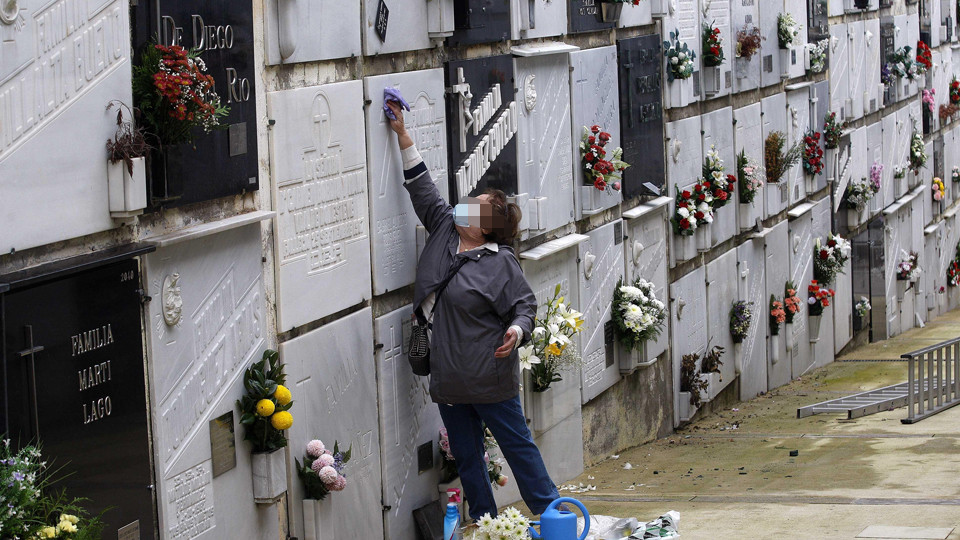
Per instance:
x=392, y=94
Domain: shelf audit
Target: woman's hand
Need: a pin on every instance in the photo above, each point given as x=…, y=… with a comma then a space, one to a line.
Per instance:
x=509, y=343
x=403, y=138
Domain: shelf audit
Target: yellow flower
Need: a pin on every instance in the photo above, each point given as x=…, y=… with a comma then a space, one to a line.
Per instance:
x=554, y=350
x=67, y=527
x=48, y=532
x=282, y=420
x=69, y=517
x=265, y=407
x=282, y=395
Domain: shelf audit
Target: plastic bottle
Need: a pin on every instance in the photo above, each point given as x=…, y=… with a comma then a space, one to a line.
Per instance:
x=451, y=521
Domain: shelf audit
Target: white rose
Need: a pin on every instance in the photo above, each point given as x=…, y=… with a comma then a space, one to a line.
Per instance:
x=673, y=60
x=683, y=212
x=682, y=56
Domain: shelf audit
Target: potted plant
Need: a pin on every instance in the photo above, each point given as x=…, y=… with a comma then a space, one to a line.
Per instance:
x=749, y=178
x=322, y=472
x=126, y=168
x=264, y=413
x=740, y=317
x=818, y=298
x=712, y=57
x=791, y=306
x=779, y=160
x=749, y=40
x=601, y=175
x=547, y=356
x=638, y=316
x=777, y=317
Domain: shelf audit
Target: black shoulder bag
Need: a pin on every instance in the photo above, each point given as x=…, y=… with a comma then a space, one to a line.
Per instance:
x=419, y=351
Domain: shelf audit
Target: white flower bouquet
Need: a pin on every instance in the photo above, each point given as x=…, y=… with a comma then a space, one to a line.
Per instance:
x=508, y=525
x=638, y=315
x=551, y=351
x=679, y=57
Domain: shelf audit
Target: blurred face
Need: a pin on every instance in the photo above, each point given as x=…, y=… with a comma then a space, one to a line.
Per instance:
x=475, y=216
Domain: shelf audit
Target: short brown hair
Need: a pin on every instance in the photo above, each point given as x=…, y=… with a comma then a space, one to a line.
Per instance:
x=504, y=229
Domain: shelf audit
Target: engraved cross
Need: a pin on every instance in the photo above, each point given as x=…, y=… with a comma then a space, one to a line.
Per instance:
x=29, y=353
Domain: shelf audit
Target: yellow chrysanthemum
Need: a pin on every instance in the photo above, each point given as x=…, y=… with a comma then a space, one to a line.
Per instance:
x=554, y=350
x=69, y=517
x=282, y=420
x=48, y=532
x=265, y=407
x=282, y=395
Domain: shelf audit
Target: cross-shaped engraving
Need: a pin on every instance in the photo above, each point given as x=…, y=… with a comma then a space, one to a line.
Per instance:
x=29, y=353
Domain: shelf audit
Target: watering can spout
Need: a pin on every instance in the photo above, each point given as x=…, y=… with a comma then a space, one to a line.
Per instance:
x=556, y=524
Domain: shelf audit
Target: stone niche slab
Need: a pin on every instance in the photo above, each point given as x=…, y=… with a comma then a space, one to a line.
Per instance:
x=210, y=290
x=800, y=252
x=601, y=265
x=683, y=16
x=645, y=255
x=769, y=49
x=887, y=47
x=934, y=260
x=873, y=90
x=641, y=112
x=319, y=166
x=722, y=292
x=717, y=13
x=904, y=132
x=638, y=15
x=896, y=238
x=54, y=89
x=406, y=27
x=717, y=128
x=394, y=223
x=797, y=8
x=585, y=16
x=483, y=151
x=798, y=124
x=748, y=138
x=774, y=111
x=840, y=331
x=531, y=19
x=941, y=73
x=752, y=287
x=688, y=320
x=746, y=73
x=913, y=36
x=334, y=386
x=777, y=269
x=858, y=167
x=684, y=152
x=409, y=420
x=480, y=21
x=836, y=7
x=856, y=52
x=819, y=107
x=874, y=155
x=545, y=154
x=314, y=30
x=892, y=188
x=594, y=100
x=839, y=69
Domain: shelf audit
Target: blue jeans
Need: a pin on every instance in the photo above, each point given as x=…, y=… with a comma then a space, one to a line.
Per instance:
x=508, y=425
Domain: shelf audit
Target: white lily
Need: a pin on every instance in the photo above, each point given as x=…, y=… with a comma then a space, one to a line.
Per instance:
x=527, y=358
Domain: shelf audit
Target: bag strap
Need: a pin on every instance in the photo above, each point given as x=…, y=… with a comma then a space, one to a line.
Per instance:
x=443, y=285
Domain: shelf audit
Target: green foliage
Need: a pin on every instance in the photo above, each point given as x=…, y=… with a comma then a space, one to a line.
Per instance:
x=260, y=381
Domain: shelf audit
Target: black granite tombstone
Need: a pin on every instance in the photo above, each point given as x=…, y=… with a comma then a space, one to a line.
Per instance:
x=817, y=26
x=74, y=381
x=481, y=126
x=585, y=16
x=480, y=21
x=641, y=114
x=224, y=161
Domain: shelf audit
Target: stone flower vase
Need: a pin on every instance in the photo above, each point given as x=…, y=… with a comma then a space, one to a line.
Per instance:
x=316, y=516
x=815, y=328
x=610, y=11
x=774, y=348
x=788, y=336
x=710, y=76
x=686, y=247
x=543, y=409
x=703, y=239
x=269, y=475
x=127, y=192
x=902, y=286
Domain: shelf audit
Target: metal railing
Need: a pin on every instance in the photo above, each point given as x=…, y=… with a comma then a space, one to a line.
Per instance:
x=933, y=380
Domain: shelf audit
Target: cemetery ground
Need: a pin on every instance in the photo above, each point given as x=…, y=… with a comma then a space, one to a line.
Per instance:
x=730, y=473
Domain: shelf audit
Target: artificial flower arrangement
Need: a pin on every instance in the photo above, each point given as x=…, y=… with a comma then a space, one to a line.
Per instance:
x=494, y=463
x=832, y=131
x=908, y=267
x=818, y=298
x=812, y=153
x=509, y=524
x=887, y=78
x=955, y=175
x=719, y=184
x=938, y=189
x=749, y=177
x=550, y=351
x=862, y=307
x=679, y=57
x=265, y=404
x=740, y=317
x=924, y=57
x=788, y=30
x=830, y=258
x=778, y=315
x=902, y=64
x=929, y=99
x=876, y=176
x=777, y=159
x=918, y=153
x=322, y=469
x=175, y=94
x=953, y=274
x=691, y=212
x=859, y=193
x=899, y=173
x=748, y=41
x=598, y=171
x=955, y=91
x=791, y=302
x=712, y=46
x=638, y=316
x=947, y=110
x=818, y=56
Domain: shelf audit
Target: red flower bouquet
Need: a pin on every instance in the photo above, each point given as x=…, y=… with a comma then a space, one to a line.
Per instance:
x=924, y=57
x=599, y=171
x=712, y=46
x=812, y=153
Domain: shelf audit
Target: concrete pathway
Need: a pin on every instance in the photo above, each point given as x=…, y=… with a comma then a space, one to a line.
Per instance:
x=731, y=476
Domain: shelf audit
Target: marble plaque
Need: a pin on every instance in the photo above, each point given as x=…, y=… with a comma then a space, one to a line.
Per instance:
x=688, y=320
x=798, y=124
x=776, y=258
x=684, y=16
x=717, y=127
x=774, y=111
x=594, y=100
x=684, y=152
x=546, y=157
x=800, y=251
x=54, y=87
x=858, y=75
x=641, y=113
x=408, y=420
x=942, y=72
x=482, y=121
x=752, y=287
x=312, y=30
x=872, y=93
x=211, y=291
x=637, y=15
x=601, y=265
x=394, y=223
x=480, y=21
x=746, y=73
x=929, y=211
x=748, y=138
x=934, y=260
x=896, y=233
x=858, y=167
x=717, y=13
x=931, y=13
x=819, y=107
x=334, y=386
x=839, y=70
x=913, y=36
x=892, y=188
x=532, y=19
x=722, y=292
x=406, y=27
x=585, y=16
x=645, y=255
x=822, y=352
x=797, y=8
x=874, y=155
x=319, y=166
x=836, y=7
x=904, y=132
x=769, y=49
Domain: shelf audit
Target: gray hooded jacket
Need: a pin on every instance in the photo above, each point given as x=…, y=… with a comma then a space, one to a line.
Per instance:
x=488, y=295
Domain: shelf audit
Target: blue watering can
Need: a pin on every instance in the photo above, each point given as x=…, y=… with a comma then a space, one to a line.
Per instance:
x=560, y=524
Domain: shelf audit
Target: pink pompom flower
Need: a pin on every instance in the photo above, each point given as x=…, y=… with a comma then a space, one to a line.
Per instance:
x=315, y=448
x=328, y=475
x=327, y=460
x=317, y=465
x=338, y=484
